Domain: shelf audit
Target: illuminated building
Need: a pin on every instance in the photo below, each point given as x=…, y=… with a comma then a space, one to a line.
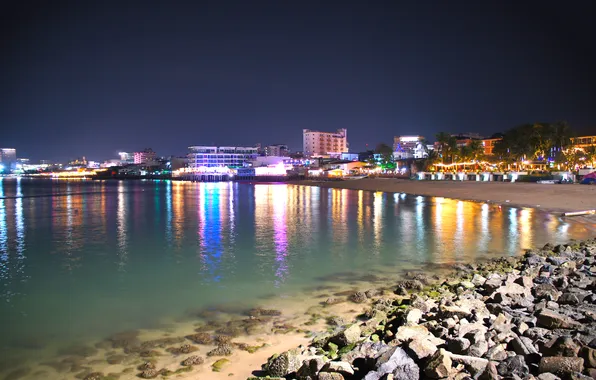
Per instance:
x=408, y=147
x=144, y=157
x=126, y=157
x=223, y=156
x=489, y=145
x=583, y=141
x=277, y=150
x=316, y=143
x=8, y=159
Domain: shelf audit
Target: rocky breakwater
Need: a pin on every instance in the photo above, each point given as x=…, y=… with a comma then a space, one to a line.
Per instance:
x=513, y=318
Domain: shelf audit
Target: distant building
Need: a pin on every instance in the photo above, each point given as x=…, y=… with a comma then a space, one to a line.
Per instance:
x=126, y=157
x=278, y=150
x=405, y=147
x=583, y=141
x=346, y=156
x=223, y=156
x=144, y=157
x=316, y=143
x=489, y=145
x=8, y=158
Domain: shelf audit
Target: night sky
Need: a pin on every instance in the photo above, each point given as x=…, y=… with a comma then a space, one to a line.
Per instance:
x=95, y=77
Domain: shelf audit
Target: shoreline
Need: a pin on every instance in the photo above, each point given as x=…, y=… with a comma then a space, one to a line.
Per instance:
x=556, y=198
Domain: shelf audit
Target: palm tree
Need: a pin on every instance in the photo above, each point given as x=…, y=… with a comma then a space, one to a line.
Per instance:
x=432, y=157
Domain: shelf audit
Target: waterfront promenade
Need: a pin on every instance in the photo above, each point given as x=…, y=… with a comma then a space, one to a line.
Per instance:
x=554, y=198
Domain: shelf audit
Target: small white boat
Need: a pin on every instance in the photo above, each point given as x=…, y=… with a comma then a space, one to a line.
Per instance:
x=355, y=176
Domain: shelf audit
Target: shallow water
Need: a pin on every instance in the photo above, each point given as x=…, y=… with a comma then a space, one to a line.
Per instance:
x=80, y=260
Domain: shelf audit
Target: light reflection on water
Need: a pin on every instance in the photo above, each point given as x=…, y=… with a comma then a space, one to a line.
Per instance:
x=84, y=259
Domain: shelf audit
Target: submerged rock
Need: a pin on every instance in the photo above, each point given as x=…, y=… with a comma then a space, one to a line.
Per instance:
x=193, y=360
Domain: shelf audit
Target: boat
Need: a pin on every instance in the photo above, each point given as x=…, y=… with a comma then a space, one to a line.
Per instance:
x=351, y=177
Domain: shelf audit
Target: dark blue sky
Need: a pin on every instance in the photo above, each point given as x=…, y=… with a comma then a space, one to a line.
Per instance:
x=95, y=77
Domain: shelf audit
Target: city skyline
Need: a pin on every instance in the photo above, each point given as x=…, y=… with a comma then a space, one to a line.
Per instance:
x=96, y=79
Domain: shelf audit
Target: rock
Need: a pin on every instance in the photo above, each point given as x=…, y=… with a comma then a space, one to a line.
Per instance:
x=184, y=349
x=589, y=356
x=502, y=324
x=192, y=360
x=343, y=368
x=401, y=291
x=330, y=376
x=458, y=345
x=548, y=376
x=413, y=316
x=478, y=280
x=259, y=312
x=347, y=336
x=94, y=376
x=473, y=364
x=115, y=359
x=421, y=348
x=511, y=289
x=524, y=281
x=410, y=284
x=399, y=364
x=553, y=320
x=496, y=353
x=365, y=350
x=515, y=365
x=405, y=333
x=283, y=364
x=478, y=349
x=221, y=350
x=200, y=338
x=546, y=291
x=439, y=366
x=149, y=374
x=570, y=299
x=490, y=373
x=146, y=366
x=358, y=297
x=561, y=365
x=332, y=301
x=561, y=346
x=523, y=346
x=493, y=282
x=310, y=368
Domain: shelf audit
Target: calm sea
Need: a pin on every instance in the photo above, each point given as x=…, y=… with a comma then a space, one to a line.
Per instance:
x=82, y=260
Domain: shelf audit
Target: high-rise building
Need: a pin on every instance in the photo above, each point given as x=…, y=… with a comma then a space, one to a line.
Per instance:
x=222, y=156
x=8, y=158
x=409, y=147
x=144, y=157
x=316, y=143
x=278, y=150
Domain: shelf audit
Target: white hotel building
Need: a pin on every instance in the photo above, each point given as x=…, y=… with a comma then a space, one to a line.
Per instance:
x=316, y=143
x=202, y=157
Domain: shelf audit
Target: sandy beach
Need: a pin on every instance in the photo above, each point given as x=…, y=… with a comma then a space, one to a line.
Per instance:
x=552, y=198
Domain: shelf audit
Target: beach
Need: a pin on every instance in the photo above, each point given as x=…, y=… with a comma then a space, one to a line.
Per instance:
x=552, y=198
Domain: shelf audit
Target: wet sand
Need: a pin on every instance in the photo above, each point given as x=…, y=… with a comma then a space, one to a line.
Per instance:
x=552, y=198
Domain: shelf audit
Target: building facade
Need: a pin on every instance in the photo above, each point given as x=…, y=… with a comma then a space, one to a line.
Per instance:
x=223, y=156
x=278, y=150
x=489, y=145
x=144, y=157
x=8, y=159
x=405, y=147
x=583, y=141
x=316, y=143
